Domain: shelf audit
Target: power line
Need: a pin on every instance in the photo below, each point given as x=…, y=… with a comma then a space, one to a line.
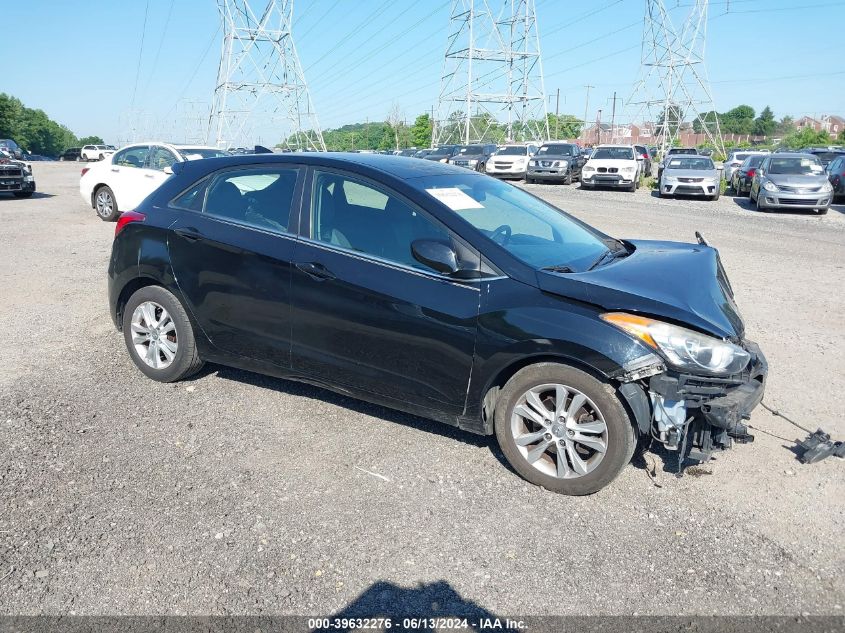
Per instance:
x=140, y=53
x=160, y=44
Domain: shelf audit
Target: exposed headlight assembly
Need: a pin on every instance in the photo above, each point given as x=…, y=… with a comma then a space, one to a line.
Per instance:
x=770, y=186
x=682, y=348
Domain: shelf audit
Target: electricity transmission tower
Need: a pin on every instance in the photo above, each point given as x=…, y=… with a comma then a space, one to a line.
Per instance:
x=492, y=81
x=673, y=85
x=261, y=89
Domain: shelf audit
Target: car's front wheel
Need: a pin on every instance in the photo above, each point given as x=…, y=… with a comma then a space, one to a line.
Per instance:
x=159, y=336
x=563, y=429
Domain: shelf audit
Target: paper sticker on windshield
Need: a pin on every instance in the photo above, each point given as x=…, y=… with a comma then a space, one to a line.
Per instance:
x=455, y=199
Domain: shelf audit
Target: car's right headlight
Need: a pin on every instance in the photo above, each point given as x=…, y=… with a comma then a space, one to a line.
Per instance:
x=589, y=168
x=682, y=348
x=532, y=163
x=770, y=186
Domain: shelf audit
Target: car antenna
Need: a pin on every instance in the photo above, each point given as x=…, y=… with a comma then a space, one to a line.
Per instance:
x=701, y=239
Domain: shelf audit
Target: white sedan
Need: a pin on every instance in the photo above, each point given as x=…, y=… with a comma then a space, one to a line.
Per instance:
x=120, y=182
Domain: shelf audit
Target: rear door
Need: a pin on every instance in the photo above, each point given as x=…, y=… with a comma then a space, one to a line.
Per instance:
x=366, y=314
x=231, y=251
x=126, y=178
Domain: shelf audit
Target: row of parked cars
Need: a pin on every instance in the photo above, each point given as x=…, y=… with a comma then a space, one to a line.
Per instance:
x=809, y=179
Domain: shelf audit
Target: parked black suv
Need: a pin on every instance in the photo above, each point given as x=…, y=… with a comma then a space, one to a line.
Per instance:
x=72, y=153
x=444, y=293
x=473, y=156
x=556, y=162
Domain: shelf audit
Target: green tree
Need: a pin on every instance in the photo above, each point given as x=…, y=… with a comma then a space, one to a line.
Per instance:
x=740, y=120
x=786, y=126
x=565, y=126
x=91, y=140
x=671, y=118
x=706, y=120
x=421, y=131
x=807, y=137
x=765, y=124
x=841, y=137
x=10, y=115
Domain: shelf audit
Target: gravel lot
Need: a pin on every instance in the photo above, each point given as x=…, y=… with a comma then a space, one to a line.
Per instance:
x=234, y=493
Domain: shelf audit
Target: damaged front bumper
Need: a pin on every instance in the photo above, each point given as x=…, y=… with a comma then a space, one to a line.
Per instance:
x=699, y=414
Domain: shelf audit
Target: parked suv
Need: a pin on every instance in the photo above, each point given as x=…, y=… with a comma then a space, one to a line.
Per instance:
x=444, y=293
x=15, y=176
x=473, y=156
x=556, y=162
x=72, y=153
x=511, y=161
x=644, y=158
x=96, y=152
x=443, y=153
x=836, y=176
x=794, y=181
x=824, y=154
x=612, y=166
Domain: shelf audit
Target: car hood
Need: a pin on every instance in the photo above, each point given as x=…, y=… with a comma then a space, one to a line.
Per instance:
x=684, y=283
x=798, y=180
x=691, y=173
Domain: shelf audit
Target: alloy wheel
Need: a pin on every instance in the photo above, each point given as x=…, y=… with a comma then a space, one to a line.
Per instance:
x=154, y=335
x=104, y=203
x=559, y=431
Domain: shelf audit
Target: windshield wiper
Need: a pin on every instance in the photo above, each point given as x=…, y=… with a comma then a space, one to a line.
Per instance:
x=558, y=268
x=608, y=257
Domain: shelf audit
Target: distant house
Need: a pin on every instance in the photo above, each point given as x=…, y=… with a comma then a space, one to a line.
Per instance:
x=830, y=123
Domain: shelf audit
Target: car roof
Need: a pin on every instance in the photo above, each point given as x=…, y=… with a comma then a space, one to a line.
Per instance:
x=609, y=145
x=791, y=155
x=402, y=167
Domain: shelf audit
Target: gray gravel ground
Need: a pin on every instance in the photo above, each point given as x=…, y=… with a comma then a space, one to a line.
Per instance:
x=236, y=493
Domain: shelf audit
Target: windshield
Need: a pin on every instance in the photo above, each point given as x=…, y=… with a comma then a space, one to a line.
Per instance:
x=795, y=165
x=753, y=161
x=534, y=232
x=682, y=150
x=614, y=153
x=192, y=153
x=826, y=157
x=690, y=163
x=513, y=150
x=442, y=151
x=471, y=150
x=740, y=157
x=558, y=150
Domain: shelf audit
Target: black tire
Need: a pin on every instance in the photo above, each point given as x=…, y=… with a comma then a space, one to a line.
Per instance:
x=186, y=360
x=757, y=204
x=568, y=179
x=23, y=194
x=529, y=181
x=584, y=185
x=822, y=211
x=716, y=196
x=621, y=434
x=107, y=212
x=61, y=159
x=101, y=157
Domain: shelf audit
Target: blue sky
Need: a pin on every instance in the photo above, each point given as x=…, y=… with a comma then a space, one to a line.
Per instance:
x=78, y=61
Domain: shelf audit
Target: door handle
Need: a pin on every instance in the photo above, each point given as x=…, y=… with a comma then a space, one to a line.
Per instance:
x=316, y=271
x=189, y=233
x=115, y=170
x=149, y=175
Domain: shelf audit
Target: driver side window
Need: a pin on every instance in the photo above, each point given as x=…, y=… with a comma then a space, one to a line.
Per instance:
x=132, y=157
x=353, y=215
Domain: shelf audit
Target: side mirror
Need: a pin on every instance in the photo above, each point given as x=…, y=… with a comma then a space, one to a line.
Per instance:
x=168, y=170
x=435, y=254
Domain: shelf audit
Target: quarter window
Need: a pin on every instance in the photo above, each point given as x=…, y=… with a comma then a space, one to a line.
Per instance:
x=259, y=197
x=161, y=158
x=356, y=216
x=133, y=156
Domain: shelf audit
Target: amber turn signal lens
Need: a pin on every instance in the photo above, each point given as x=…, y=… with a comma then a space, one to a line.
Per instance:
x=633, y=324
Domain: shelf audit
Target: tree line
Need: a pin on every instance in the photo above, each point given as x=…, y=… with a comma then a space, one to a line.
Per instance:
x=36, y=132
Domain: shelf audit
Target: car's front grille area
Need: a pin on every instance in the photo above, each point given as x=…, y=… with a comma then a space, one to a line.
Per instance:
x=690, y=179
x=499, y=165
x=11, y=172
x=608, y=170
x=797, y=201
x=688, y=190
x=800, y=189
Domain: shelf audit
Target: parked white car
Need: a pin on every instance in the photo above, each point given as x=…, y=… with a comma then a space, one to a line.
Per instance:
x=96, y=152
x=735, y=160
x=612, y=166
x=120, y=182
x=511, y=161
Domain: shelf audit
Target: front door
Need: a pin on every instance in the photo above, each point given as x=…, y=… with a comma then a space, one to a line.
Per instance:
x=231, y=251
x=366, y=314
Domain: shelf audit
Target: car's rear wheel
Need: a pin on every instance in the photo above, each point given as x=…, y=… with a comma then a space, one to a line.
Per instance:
x=105, y=204
x=563, y=429
x=159, y=336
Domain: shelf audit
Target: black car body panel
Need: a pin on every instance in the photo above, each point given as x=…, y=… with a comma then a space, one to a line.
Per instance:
x=284, y=304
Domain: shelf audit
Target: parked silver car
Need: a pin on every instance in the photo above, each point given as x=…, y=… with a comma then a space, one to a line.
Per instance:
x=794, y=181
x=689, y=176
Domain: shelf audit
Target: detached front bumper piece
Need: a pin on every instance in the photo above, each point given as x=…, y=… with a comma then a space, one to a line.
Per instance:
x=698, y=414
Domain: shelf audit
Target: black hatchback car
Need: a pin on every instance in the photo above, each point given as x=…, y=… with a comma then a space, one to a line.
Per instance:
x=444, y=293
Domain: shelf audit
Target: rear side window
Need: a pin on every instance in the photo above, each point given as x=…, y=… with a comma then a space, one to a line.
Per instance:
x=257, y=197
